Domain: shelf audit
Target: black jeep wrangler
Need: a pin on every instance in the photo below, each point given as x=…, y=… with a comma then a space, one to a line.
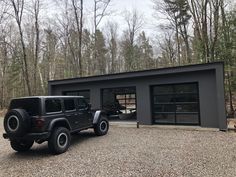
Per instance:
x=52, y=119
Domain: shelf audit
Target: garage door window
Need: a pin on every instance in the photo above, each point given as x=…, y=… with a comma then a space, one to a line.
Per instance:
x=176, y=104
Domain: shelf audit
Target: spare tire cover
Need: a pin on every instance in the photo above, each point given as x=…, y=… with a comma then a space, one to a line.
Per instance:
x=17, y=122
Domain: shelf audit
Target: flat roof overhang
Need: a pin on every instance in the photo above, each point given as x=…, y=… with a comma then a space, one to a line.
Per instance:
x=142, y=73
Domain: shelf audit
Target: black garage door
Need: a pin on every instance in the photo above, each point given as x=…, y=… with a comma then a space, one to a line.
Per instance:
x=175, y=104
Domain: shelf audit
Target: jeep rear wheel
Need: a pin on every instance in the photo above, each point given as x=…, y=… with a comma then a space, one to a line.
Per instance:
x=59, y=140
x=16, y=122
x=21, y=146
x=101, y=128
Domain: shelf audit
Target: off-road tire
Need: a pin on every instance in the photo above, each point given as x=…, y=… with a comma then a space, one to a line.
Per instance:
x=59, y=140
x=21, y=146
x=102, y=127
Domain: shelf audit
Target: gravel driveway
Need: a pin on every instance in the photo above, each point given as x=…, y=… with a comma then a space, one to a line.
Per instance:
x=126, y=151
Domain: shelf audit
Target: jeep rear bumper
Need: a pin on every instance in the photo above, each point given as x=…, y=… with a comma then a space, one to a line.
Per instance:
x=29, y=136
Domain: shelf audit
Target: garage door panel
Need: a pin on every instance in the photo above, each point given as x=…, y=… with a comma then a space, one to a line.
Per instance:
x=163, y=99
x=164, y=108
x=187, y=119
x=192, y=108
x=176, y=104
x=185, y=88
x=187, y=97
x=164, y=118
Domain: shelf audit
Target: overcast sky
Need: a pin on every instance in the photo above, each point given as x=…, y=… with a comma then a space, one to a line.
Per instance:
x=144, y=7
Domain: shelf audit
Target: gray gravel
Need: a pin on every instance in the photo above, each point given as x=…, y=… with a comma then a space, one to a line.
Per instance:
x=126, y=151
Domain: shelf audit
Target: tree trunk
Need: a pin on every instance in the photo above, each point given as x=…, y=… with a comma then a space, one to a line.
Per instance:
x=79, y=24
x=205, y=32
x=80, y=39
x=36, y=11
x=26, y=72
x=18, y=10
x=178, y=43
x=231, y=111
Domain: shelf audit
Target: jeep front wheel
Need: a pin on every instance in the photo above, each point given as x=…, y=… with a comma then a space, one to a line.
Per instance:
x=59, y=140
x=101, y=128
x=21, y=146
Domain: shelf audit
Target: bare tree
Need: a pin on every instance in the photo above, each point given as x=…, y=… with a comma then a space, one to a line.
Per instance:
x=3, y=11
x=227, y=53
x=164, y=9
x=37, y=42
x=3, y=52
x=206, y=15
x=112, y=33
x=18, y=8
x=3, y=68
x=79, y=25
x=168, y=51
x=178, y=17
x=68, y=38
x=134, y=22
x=34, y=10
x=100, y=11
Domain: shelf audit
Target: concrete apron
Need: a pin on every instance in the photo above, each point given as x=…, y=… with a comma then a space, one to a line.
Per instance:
x=132, y=124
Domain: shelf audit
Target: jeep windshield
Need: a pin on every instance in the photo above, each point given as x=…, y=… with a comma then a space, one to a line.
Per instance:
x=30, y=105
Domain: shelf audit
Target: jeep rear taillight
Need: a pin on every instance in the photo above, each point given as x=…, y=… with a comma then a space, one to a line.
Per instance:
x=39, y=122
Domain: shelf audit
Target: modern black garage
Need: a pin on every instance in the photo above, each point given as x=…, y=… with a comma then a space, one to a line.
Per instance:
x=185, y=95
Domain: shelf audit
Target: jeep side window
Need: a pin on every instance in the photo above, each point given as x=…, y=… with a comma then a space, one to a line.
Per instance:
x=82, y=103
x=69, y=104
x=53, y=105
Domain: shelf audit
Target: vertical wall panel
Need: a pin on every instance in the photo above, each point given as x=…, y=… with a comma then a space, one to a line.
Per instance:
x=143, y=104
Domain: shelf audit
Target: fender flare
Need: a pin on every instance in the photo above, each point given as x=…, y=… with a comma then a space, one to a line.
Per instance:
x=97, y=115
x=53, y=122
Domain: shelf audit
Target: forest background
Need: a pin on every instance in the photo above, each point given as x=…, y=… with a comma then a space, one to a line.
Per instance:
x=44, y=40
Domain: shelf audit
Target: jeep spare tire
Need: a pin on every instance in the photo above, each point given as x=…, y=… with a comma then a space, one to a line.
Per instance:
x=16, y=122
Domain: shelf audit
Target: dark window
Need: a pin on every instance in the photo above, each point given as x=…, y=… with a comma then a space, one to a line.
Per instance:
x=30, y=105
x=82, y=103
x=84, y=93
x=53, y=105
x=69, y=104
x=177, y=103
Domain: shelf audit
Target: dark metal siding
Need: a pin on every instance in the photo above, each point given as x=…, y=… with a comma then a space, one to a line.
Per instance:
x=209, y=77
